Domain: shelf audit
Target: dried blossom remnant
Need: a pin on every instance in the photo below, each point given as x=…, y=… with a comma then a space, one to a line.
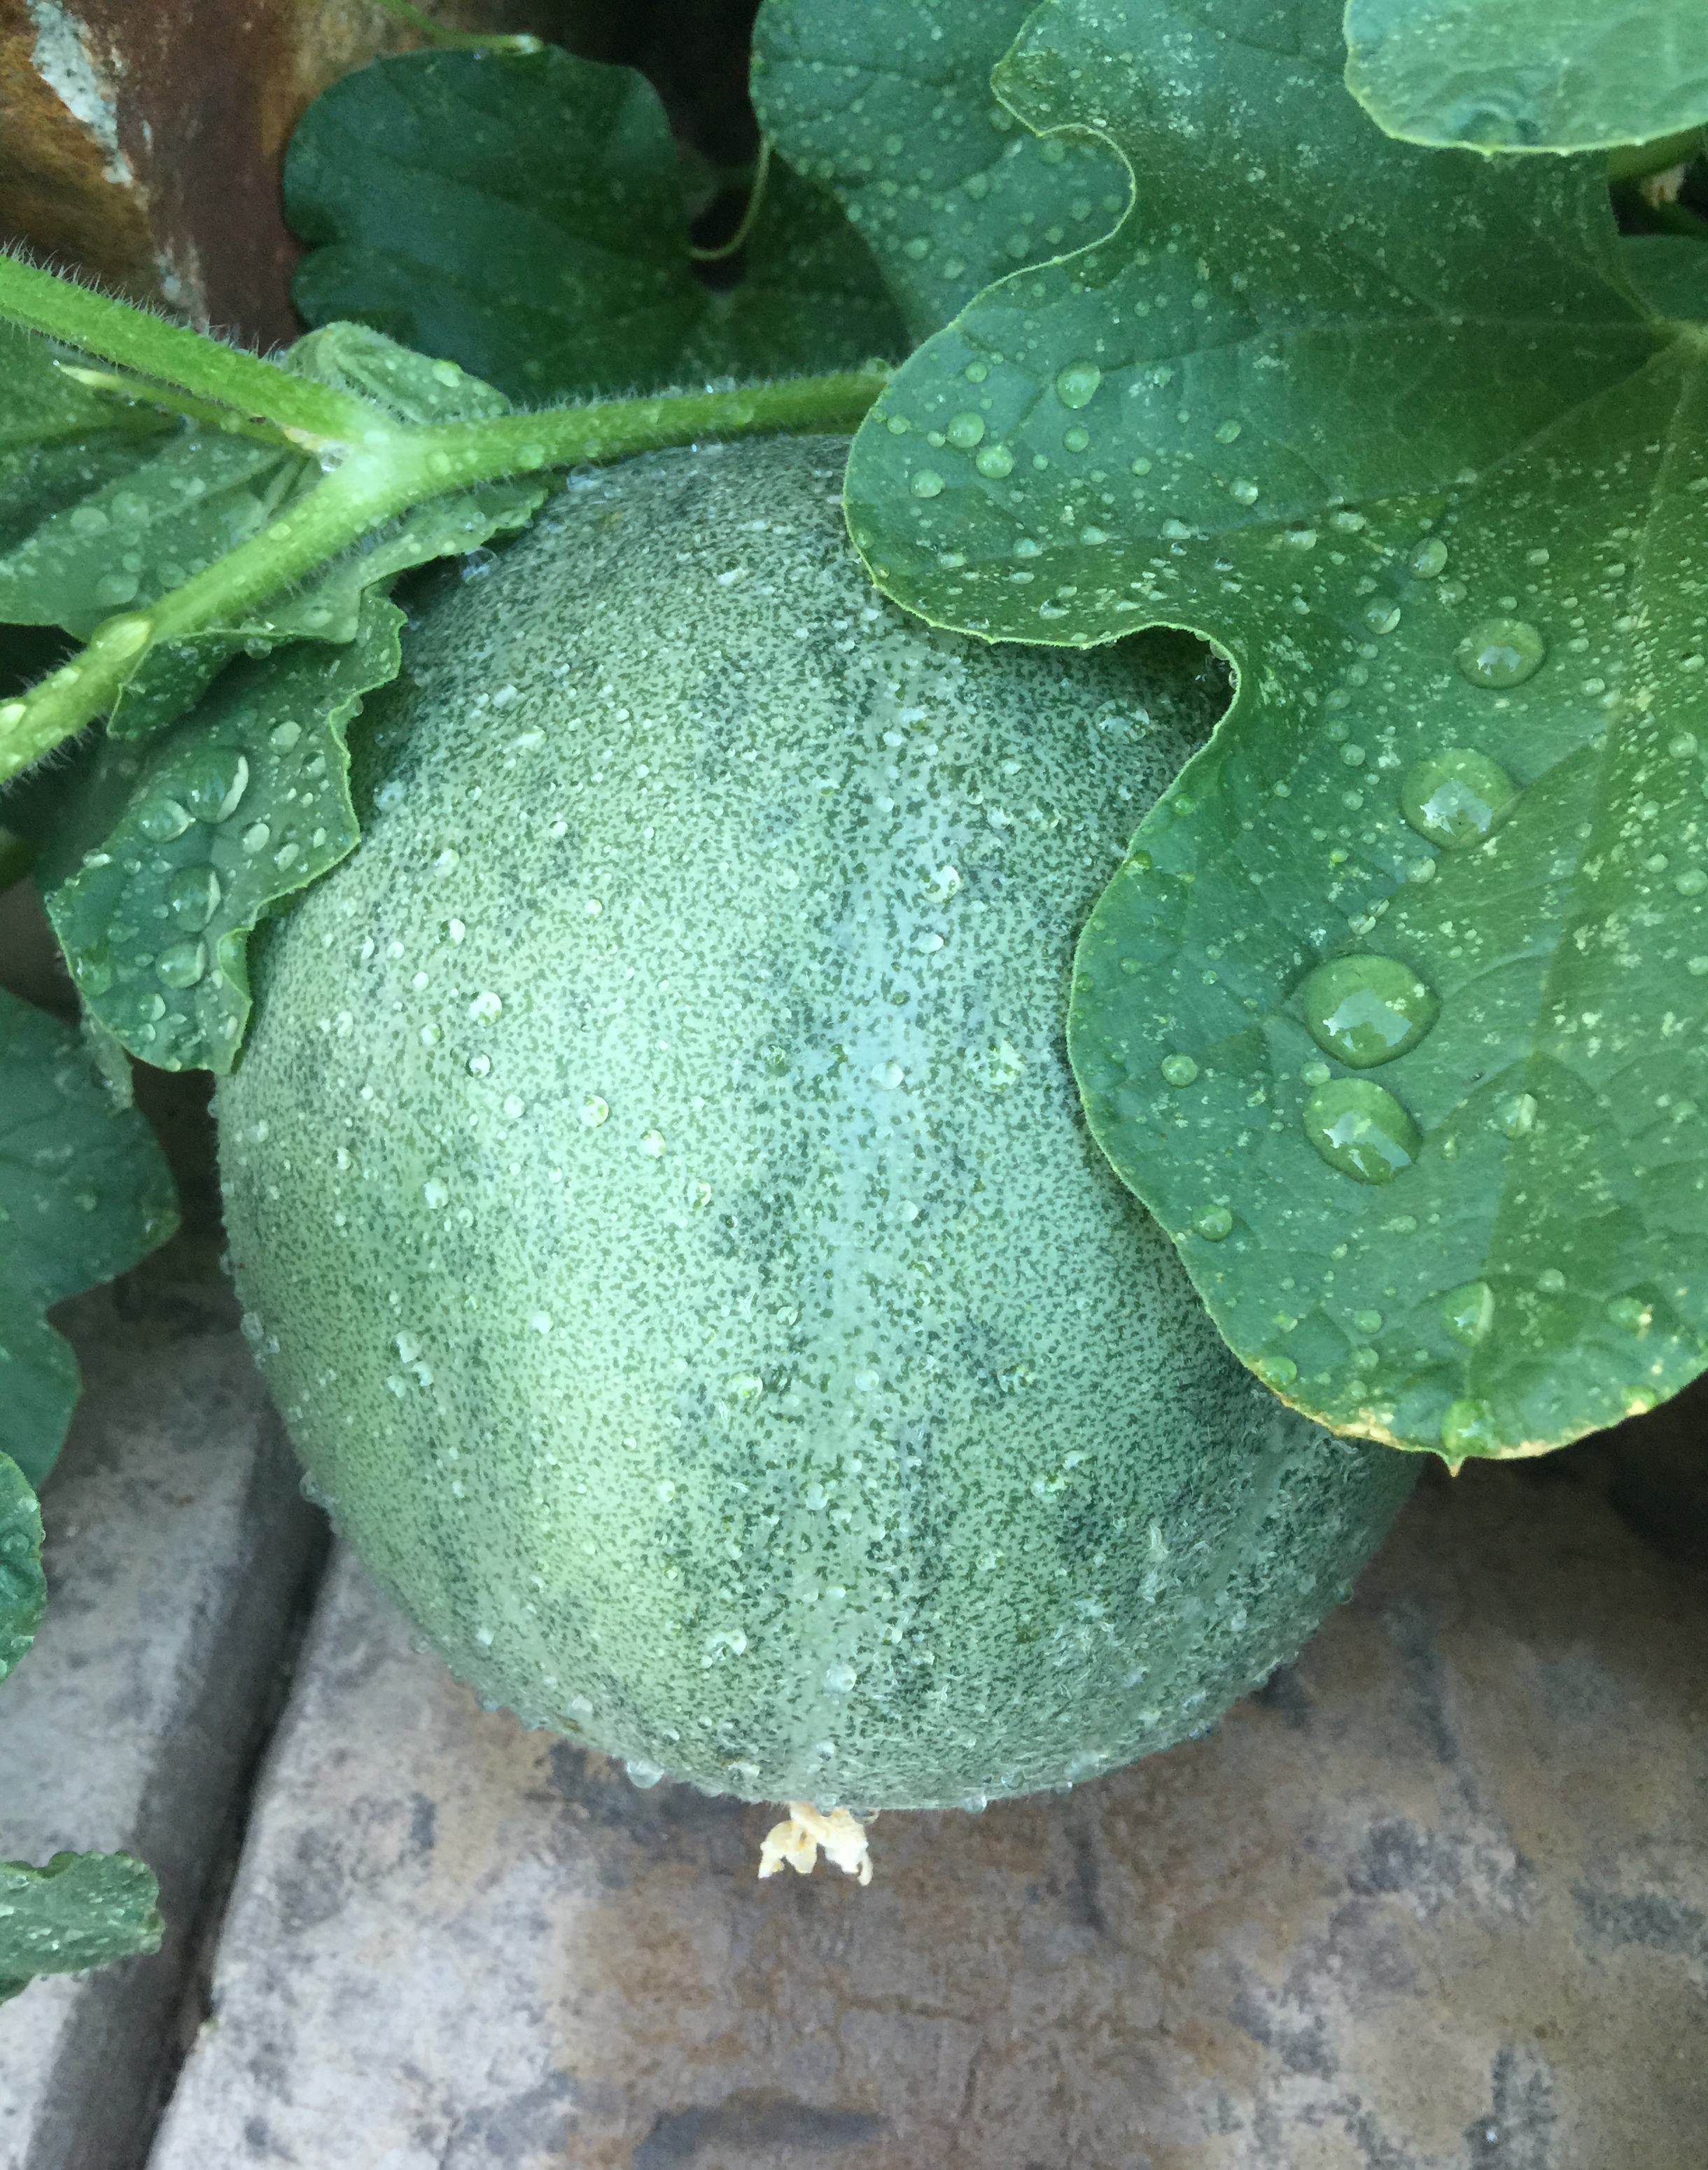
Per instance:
x=797, y=1839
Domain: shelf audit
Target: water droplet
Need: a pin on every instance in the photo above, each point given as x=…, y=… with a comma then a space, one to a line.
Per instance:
x=1276, y=1371
x=1467, y=1427
x=123, y=636
x=283, y=737
x=1517, y=1117
x=479, y=1065
x=214, y=784
x=181, y=964
x=486, y=1009
x=652, y=1144
x=927, y=483
x=994, y=460
x=193, y=895
x=642, y=1773
x=887, y=1076
x=1428, y=559
x=1227, y=432
x=1381, y=617
x=1500, y=652
x=1551, y=1281
x=257, y=838
x=1076, y=438
x=1367, y=1322
x=162, y=820
x=1212, y=1223
x=1361, y=1129
x=1692, y=882
x=1456, y=797
x=1629, y=1313
x=1316, y=1073
x=1467, y=1311
x=539, y=1321
x=115, y=588
x=1178, y=1069
x=436, y=1194
x=1141, y=466
x=1076, y=386
x=1367, y=1009
x=840, y=1677
x=965, y=432
x=594, y=1111
x=1243, y=490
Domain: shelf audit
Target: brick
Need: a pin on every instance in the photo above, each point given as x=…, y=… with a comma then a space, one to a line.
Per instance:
x=178, y=1544
x=1435, y=1900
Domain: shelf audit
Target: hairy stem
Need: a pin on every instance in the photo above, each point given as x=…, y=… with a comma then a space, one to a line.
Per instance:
x=395, y=467
x=136, y=340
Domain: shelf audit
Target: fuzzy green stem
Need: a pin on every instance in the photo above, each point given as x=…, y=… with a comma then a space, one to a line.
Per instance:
x=135, y=393
x=134, y=338
x=393, y=468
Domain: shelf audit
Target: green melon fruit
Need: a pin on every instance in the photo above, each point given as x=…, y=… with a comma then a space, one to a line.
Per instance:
x=665, y=1212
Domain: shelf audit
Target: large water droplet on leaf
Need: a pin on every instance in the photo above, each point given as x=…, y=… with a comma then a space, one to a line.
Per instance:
x=1178, y=1069
x=1212, y=1223
x=1367, y=1009
x=1428, y=559
x=966, y=431
x=1501, y=652
x=1076, y=385
x=1456, y=797
x=181, y=964
x=994, y=460
x=215, y=783
x=1362, y=1130
x=1468, y=1312
x=162, y=820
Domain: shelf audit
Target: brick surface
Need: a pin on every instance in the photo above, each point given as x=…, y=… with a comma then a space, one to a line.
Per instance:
x=1436, y=1900
x=178, y=1543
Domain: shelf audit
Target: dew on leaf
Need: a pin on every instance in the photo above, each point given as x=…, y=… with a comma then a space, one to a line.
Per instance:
x=257, y=838
x=1628, y=1312
x=927, y=483
x=965, y=432
x=1178, y=1069
x=116, y=588
x=181, y=964
x=1212, y=1223
x=1517, y=1117
x=1551, y=1281
x=1076, y=385
x=1454, y=797
x=994, y=461
x=1243, y=490
x=1276, y=1371
x=1500, y=652
x=1451, y=592
x=1076, y=438
x=215, y=784
x=1428, y=559
x=162, y=820
x=1367, y=1322
x=1467, y=1427
x=1467, y=1311
x=1367, y=1009
x=1227, y=432
x=1692, y=882
x=1362, y=1130
x=1381, y=617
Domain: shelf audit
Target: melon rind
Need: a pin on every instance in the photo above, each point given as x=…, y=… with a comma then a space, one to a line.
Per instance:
x=664, y=1212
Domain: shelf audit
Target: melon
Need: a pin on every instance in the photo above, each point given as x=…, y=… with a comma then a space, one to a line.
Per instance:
x=664, y=1212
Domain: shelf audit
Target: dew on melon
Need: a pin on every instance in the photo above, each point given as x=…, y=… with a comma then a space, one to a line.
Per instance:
x=667, y=1213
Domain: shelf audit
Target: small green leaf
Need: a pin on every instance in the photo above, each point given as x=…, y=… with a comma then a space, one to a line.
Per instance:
x=168, y=857
x=22, y=1590
x=58, y=442
x=889, y=106
x=84, y=1194
x=129, y=538
x=82, y=1910
x=524, y=214
x=1529, y=75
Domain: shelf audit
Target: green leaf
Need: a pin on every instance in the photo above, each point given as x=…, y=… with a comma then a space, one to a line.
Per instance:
x=1670, y=271
x=889, y=106
x=58, y=442
x=1346, y=431
x=525, y=215
x=82, y=1910
x=1529, y=75
x=170, y=855
x=84, y=1194
x=23, y=1589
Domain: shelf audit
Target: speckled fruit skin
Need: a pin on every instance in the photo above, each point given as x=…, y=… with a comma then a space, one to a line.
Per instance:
x=665, y=1209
